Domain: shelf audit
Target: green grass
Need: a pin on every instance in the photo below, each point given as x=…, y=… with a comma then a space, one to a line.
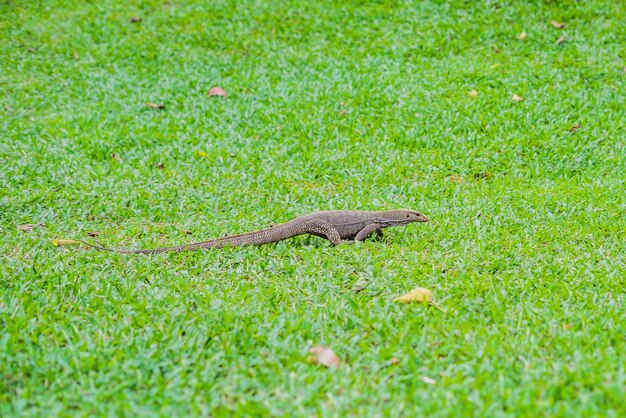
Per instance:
x=362, y=105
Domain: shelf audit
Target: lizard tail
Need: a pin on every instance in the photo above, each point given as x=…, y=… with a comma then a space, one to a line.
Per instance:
x=204, y=244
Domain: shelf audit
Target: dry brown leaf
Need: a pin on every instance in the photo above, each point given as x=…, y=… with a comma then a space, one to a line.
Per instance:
x=28, y=227
x=217, y=91
x=557, y=24
x=455, y=178
x=325, y=356
x=574, y=128
x=93, y=234
x=359, y=285
x=155, y=105
x=160, y=166
x=57, y=242
x=135, y=19
x=395, y=361
x=522, y=36
x=473, y=93
x=428, y=380
x=562, y=39
x=419, y=295
x=116, y=156
x=517, y=98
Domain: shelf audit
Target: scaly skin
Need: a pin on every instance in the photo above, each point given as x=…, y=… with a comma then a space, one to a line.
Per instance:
x=335, y=225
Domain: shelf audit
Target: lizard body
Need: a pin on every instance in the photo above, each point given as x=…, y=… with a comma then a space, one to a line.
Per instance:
x=335, y=225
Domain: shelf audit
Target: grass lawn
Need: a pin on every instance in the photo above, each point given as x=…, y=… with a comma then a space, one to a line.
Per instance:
x=331, y=105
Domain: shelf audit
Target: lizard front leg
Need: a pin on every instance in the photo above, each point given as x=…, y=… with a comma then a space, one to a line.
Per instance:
x=322, y=228
x=367, y=231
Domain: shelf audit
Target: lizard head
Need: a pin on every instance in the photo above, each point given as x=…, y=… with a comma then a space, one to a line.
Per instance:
x=414, y=216
x=406, y=216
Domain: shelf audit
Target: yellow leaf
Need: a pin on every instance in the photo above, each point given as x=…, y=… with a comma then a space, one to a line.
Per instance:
x=517, y=98
x=473, y=93
x=419, y=295
x=57, y=242
x=201, y=154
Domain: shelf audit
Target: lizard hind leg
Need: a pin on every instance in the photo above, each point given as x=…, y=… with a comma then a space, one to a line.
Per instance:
x=324, y=229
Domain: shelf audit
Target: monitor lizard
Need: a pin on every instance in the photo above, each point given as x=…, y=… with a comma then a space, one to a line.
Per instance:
x=335, y=225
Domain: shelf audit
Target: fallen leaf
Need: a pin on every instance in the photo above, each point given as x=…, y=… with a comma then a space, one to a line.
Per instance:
x=455, y=178
x=428, y=380
x=155, y=105
x=135, y=19
x=57, y=242
x=325, y=356
x=188, y=232
x=419, y=295
x=562, y=39
x=116, y=156
x=93, y=234
x=557, y=24
x=473, y=93
x=359, y=285
x=517, y=98
x=217, y=91
x=495, y=66
x=75, y=54
x=28, y=227
x=574, y=128
x=201, y=154
x=160, y=166
x=395, y=361
x=522, y=36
